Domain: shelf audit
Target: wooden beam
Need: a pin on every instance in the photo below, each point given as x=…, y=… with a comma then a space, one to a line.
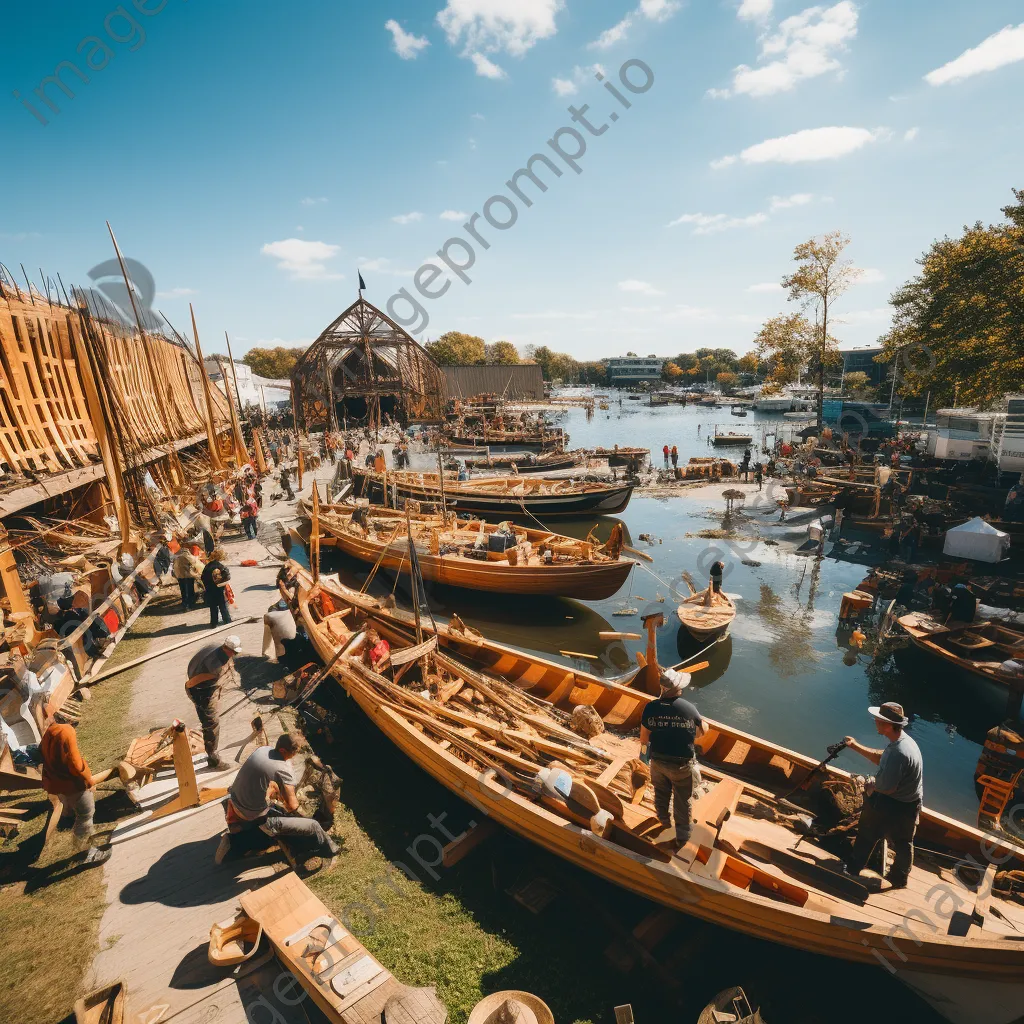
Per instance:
x=216, y=462
x=468, y=842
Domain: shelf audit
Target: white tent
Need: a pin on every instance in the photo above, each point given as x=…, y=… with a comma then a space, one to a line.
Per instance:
x=978, y=540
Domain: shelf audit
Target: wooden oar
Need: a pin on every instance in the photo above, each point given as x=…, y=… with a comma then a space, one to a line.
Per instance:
x=640, y=554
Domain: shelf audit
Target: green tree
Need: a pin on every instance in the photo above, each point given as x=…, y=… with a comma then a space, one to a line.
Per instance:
x=593, y=372
x=275, y=363
x=726, y=379
x=748, y=363
x=563, y=367
x=503, y=353
x=821, y=277
x=958, y=327
x=785, y=343
x=856, y=381
x=454, y=348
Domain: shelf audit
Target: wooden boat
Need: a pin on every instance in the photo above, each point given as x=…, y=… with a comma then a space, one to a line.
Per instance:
x=731, y=440
x=102, y=1006
x=978, y=648
x=504, y=497
x=951, y=936
x=620, y=456
x=738, y=412
x=526, y=463
x=535, y=440
x=234, y=941
x=706, y=615
x=465, y=552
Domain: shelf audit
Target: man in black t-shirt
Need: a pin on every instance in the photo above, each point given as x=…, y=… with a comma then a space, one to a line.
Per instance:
x=668, y=730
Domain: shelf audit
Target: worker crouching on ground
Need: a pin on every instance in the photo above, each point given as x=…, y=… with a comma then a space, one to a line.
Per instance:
x=207, y=670
x=892, y=798
x=266, y=775
x=278, y=631
x=66, y=775
x=668, y=730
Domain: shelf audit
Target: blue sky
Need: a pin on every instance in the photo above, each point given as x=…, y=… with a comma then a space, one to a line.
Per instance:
x=254, y=155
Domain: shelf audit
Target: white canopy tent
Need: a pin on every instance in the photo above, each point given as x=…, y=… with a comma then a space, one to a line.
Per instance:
x=978, y=540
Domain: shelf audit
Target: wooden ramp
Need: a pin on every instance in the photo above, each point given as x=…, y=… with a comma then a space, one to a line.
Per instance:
x=346, y=982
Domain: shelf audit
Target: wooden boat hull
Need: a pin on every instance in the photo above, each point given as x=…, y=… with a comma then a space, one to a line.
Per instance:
x=533, y=444
x=504, y=465
x=591, y=582
x=730, y=441
x=703, y=623
x=937, y=962
x=606, y=501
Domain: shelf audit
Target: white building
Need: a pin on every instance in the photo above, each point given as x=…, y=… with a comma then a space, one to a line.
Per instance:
x=252, y=389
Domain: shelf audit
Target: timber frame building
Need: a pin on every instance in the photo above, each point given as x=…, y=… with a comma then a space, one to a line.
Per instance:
x=362, y=368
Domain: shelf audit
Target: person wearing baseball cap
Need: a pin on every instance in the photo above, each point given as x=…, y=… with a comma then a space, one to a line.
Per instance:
x=892, y=797
x=668, y=730
x=206, y=672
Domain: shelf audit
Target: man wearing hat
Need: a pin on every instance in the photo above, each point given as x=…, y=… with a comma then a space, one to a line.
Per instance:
x=207, y=671
x=668, y=729
x=892, y=798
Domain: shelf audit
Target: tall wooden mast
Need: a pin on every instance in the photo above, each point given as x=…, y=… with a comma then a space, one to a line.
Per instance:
x=216, y=462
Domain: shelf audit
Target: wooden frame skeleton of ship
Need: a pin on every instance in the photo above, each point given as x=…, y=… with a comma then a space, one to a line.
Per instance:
x=363, y=368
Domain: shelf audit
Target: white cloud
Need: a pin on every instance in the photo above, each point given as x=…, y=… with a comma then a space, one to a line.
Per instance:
x=870, y=275
x=787, y=202
x=580, y=75
x=640, y=287
x=755, y=10
x=712, y=223
x=807, y=145
x=910, y=134
x=176, y=293
x=313, y=201
x=1001, y=48
x=802, y=47
x=658, y=10
x=454, y=215
x=405, y=44
x=765, y=286
x=408, y=218
x=486, y=68
x=380, y=265
x=652, y=10
x=303, y=260
x=496, y=26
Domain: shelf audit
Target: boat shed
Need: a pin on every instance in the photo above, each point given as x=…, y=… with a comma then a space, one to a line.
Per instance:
x=362, y=369
x=515, y=382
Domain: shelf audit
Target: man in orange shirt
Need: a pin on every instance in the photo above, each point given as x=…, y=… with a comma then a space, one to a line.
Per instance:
x=66, y=775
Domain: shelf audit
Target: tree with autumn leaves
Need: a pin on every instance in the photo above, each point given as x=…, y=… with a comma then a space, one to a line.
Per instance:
x=958, y=327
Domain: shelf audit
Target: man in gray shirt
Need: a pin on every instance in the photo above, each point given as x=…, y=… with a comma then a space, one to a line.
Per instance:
x=249, y=807
x=892, y=798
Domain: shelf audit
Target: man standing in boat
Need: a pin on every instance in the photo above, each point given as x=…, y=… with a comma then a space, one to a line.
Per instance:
x=892, y=798
x=668, y=730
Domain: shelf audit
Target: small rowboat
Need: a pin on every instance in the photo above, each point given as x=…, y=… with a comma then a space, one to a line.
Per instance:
x=535, y=440
x=467, y=552
x=525, y=463
x=731, y=440
x=706, y=615
x=234, y=941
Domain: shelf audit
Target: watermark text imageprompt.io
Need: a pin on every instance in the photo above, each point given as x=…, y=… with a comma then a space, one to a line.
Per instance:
x=500, y=212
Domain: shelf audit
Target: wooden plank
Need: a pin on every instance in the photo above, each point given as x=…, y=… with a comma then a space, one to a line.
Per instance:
x=469, y=841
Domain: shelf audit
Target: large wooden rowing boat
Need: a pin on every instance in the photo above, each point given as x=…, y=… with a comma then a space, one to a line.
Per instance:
x=525, y=463
x=463, y=552
x=504, y=497
x=978, y=649
x=730, y=439
x=534, y=440
x=951, y=936
x=706, y=614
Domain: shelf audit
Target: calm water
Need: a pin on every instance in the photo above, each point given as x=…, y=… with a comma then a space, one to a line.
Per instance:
x=783, y=673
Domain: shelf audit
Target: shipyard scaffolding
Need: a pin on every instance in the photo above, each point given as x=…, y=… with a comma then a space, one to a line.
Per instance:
x=363, y=370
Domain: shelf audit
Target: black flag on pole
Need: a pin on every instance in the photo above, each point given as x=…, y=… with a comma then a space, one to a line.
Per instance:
x=362, y=283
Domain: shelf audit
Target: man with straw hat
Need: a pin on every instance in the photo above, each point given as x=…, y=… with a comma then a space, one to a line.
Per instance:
x=668, y=730
x=892, y=797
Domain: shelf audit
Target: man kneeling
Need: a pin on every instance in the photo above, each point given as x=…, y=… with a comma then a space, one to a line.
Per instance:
x=249, y=809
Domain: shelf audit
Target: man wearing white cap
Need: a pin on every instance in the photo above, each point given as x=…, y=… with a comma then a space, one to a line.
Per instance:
x=892, y=798
x=668, y=729
x=207, y=670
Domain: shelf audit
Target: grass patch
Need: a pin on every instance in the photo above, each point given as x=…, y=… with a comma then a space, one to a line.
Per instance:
x=50, y=908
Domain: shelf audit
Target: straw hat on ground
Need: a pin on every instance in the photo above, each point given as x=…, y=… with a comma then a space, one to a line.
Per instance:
x=511, y=1007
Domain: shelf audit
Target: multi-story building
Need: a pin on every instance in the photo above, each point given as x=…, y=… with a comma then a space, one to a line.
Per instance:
x=628, y=371
x=863, y=360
